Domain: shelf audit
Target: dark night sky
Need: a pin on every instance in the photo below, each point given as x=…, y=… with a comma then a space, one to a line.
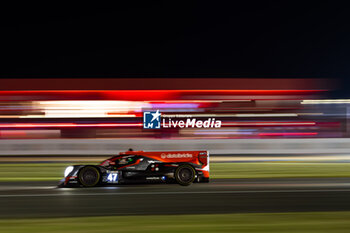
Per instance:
x=170, y=39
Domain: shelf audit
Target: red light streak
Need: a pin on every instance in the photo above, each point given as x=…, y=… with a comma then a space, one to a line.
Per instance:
x=143, y=95
x=288, y=134
x=269, y=123
x=67, y=125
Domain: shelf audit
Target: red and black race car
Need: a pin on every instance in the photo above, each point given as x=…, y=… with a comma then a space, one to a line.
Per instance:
x=182, y=167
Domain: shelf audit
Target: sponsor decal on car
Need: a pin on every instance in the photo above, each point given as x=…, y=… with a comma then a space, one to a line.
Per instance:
x=175, y=155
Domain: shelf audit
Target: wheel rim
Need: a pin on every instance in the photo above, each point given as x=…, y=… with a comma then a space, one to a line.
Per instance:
x=89, y=177
x=185, y=174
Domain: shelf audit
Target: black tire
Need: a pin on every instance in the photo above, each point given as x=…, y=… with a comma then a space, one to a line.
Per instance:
x=185, y=174
x=89, y=176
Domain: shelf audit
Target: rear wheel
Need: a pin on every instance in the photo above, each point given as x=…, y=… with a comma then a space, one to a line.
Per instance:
x=185, y=174
x=89, y=176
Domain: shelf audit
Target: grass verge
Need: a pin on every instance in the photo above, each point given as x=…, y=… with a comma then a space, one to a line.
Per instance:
x=263, y=222
x=279, y=170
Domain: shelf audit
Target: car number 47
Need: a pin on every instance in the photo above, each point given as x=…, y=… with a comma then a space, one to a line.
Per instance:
x=112, y=177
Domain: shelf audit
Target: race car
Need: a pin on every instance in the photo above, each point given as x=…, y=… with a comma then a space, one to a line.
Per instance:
x=182, y=167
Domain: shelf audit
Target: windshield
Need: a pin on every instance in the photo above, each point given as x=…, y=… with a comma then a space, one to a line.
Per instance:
x=118, y=161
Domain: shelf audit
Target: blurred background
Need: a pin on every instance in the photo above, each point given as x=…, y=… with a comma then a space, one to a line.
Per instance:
x=104, y=116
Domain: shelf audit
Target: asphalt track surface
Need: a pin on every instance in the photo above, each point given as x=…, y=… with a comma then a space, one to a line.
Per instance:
x=43, y=199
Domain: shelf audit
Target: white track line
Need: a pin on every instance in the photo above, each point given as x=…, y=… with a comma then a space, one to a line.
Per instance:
x=172, y=193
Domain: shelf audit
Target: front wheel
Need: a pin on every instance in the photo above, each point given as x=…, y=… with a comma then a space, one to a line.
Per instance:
x=89, y=176
x=185, y=174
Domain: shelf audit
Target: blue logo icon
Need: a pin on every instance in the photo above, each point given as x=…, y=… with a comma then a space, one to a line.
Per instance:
x=151, y=119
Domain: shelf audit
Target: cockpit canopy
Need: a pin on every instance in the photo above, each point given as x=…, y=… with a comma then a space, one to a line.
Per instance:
x=119, y=160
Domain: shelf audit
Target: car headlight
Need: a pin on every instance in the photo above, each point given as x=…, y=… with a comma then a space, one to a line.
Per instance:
x=68, y=170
